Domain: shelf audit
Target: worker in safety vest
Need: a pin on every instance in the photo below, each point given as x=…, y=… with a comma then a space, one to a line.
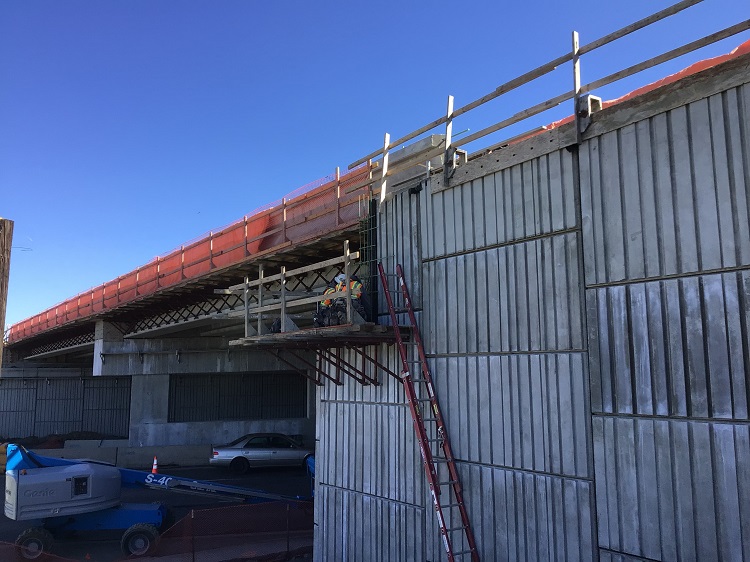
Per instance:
x=332, y=312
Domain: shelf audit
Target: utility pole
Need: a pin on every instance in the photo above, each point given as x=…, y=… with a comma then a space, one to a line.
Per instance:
x=6, y=239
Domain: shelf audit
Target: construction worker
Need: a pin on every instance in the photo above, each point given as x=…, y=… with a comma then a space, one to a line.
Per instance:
x=322, y=315
x=332, y=312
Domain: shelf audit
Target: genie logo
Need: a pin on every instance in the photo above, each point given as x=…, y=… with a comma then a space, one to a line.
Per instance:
x=46, y=492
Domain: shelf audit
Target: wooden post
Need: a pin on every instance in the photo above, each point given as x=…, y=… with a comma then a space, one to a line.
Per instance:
x=283, y=298
x=246, y=298
x=283, y=219
x=6, y=239
x=347, y=275
x=384, y=181
x=448, y=161
x=577, y=85
x=338, y=195
x=260, y=297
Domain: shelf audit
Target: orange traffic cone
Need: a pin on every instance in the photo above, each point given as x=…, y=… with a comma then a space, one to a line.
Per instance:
x=155, y=467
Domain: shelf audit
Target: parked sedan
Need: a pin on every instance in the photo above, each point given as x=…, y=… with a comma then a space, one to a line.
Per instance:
x=260, y=449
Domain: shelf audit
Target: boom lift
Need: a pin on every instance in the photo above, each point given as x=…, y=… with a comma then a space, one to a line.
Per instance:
x=63, y=495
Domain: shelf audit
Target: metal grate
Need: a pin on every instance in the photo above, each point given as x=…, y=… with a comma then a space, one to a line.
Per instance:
x=39, y=406
x=191, y=312
x=233, y=396
x=62, y=344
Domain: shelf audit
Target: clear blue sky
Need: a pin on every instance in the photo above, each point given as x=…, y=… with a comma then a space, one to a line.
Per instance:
x=129, y=127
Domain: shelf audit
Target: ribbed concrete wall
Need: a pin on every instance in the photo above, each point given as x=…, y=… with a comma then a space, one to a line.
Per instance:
x=503, y=324
x=667, y=250
x=371, y=490
x=585, y=315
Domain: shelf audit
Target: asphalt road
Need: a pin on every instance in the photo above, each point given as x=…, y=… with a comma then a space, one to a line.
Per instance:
x=106, y=547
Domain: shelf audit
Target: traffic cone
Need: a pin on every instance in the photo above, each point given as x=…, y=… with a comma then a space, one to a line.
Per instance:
x=155, y=467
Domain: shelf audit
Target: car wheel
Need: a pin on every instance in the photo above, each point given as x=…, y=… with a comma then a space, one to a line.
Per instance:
x=139, y=539
x=34, y=543
x=239, y=465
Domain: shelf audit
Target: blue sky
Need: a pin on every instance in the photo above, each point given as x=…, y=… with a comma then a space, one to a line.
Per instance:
x=130, y=127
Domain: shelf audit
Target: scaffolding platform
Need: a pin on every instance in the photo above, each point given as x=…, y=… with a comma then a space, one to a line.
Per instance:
x=344, y=335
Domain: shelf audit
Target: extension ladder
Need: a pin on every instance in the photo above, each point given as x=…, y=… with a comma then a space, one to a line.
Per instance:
x=437, y=457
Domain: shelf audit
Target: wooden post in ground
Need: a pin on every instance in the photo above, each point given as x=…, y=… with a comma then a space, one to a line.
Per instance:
x=6, y=238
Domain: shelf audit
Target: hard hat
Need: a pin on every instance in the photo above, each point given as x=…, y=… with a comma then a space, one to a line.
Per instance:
x=340, y=278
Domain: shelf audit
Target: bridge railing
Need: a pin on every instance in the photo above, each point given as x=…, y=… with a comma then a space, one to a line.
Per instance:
x=305, y=216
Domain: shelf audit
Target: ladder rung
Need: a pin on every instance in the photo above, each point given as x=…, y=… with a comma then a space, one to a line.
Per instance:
x=423, y=400
x=447, y=482
x=418, y=380
x=451, y=505
x=453, y=529
x=440, y=459
x=462, y=552
x=429, y=419
x=400, y=310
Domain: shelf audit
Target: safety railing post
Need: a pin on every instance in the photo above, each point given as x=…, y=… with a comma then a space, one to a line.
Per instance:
x=247, y=309
x=283, y=298
x=338, y=195
x=577, y=85
x=260, y=296
x=246, y=252
x=347, y=274
x=384, y=180
x=283, y=219
x=448, y=158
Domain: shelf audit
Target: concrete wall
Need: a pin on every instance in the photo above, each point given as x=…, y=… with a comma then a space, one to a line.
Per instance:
x=152, y=361
x=149, y=425
x=667, y=292
x=585, y=317
x=140, y=458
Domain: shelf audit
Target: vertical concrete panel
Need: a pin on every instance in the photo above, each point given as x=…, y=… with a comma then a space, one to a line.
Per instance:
x=668, y=195
x=678, y=488
x=676, y=343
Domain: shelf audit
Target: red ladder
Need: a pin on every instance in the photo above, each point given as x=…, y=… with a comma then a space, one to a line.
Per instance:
x=437, y=457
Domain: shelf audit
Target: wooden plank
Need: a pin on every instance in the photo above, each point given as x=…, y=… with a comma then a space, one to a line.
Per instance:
x=638, y=25
x=520, y=116
x=6, y=241
x=500, y=90
x=295, y=272
x=674, y=53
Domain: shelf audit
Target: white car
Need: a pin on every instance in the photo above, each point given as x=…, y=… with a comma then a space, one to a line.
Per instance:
x=260, y=449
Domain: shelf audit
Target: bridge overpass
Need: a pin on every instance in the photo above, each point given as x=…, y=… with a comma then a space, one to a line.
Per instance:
x=175, y=293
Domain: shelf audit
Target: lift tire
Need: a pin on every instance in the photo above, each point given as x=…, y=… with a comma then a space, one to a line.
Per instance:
x=239, y=465
x=34, y=543
x=140, y=539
